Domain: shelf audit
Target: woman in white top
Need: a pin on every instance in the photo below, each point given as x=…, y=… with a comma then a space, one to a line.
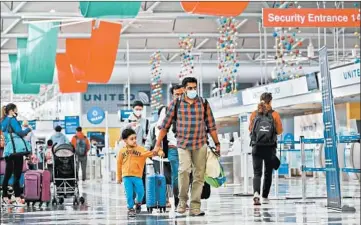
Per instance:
x=169, y=148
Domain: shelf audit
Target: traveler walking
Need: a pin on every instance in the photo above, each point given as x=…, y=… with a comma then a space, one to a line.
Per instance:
x=265, y=125
x=194, y=121
x=14, y=151
x=81, y=145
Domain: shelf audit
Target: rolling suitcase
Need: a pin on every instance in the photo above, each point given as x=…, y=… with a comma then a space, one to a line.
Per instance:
x=37, y=186
x=156, y=191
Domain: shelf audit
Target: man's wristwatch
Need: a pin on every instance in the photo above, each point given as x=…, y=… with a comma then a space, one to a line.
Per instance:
x=218, y=144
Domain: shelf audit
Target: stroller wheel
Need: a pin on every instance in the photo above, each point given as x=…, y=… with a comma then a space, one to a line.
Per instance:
x=82, y=200
x=61, y=200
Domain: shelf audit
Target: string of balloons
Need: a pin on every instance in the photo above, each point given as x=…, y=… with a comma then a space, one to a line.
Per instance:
x=226, y=47
x=187, y=59
x=156, y=82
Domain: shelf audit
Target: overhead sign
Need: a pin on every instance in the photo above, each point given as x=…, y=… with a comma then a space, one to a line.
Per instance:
x=32, y=124
x=310, y=17
x=226, y=101
x=95, y=115
x=346, y=75
x=278, y=90
x=330, y=135
x=59, y=123
x=71, y=123
x=124, y=114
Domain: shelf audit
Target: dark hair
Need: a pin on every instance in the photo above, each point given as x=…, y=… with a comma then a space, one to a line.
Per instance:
x=49, y=143
x=127, y=132
x=79, y=129
x=189, y=80
x=160, y=109
x=138, y=103
x=175, y=87
x=7, y=108
x=58, y=128
x=265, y=100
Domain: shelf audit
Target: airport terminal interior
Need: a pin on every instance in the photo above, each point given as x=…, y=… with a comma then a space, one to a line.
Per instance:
x=169, y=112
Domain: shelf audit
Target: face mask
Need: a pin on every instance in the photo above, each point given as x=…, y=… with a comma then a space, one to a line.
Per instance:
x=192, y=94
x=138, y=113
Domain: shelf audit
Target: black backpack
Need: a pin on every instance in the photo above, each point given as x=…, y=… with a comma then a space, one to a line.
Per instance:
x=264, y=130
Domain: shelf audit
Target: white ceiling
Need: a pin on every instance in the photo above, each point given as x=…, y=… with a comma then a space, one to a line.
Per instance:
x=146, y=36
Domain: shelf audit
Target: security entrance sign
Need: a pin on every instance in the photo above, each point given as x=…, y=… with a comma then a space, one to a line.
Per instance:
x=330, y=135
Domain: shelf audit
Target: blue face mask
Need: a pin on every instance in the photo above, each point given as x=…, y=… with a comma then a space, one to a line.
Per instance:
x=192, y=94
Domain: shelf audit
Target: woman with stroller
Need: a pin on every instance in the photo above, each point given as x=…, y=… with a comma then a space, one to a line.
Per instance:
x=14, y=151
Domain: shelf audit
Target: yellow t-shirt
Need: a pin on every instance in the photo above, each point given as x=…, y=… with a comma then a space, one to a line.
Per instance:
x=131, y=161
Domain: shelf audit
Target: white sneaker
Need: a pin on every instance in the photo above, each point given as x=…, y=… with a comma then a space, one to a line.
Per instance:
x=256, y=199
x=19, y=203
x=265, y=201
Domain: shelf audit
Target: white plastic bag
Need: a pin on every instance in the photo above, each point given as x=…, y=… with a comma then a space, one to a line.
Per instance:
x=213, y=169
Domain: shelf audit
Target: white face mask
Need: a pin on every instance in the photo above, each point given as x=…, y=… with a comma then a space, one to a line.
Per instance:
x=138, y=113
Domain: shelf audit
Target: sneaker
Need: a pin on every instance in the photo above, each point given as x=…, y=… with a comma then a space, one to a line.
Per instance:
x=131, y=213
x=138, y=208
x=256, y=199
x=265, y=201
x=6, y=201
x=19, y=203
x=196, y=212
x=181, y=207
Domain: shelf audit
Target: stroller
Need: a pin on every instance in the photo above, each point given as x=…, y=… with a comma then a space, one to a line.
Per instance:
x=65, y=174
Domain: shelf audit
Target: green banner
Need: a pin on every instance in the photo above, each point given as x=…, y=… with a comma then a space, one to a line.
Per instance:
x=109, y=9
x=37, y=53
x=18, y=86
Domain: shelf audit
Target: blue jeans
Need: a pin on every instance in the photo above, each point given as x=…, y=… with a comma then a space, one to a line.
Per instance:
x=174, y=164
x=131, y=185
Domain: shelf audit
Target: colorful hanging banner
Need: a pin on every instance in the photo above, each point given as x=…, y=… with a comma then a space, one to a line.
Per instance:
x=40, y=53
x=93, y=60
x=310, y=17
x=17, y=86
x=111, y=9
x=221, y=8
x=66, y=80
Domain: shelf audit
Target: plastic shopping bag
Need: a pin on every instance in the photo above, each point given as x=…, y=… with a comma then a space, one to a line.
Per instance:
x=213, y=168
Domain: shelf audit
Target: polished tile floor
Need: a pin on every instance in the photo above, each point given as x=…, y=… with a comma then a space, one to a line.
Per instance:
x=106, y=205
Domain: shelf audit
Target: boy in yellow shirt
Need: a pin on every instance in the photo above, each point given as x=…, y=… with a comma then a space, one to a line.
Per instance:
x=130, y=165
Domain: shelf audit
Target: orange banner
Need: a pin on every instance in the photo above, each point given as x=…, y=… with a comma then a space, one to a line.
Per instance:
x=218, y=8
x=66, y=80
x=311, y=17
x=77, y=51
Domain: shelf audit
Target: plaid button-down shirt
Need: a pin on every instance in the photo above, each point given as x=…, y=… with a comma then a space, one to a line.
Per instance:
x=191, y=124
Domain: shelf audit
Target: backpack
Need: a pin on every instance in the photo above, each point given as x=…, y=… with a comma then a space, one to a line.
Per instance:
x=174, y=122
x=80, y=148
x=264, y=130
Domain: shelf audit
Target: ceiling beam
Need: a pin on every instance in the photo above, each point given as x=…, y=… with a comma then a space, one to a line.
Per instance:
x=199, y=51
x=149, y=10
x=13, y=24
x=141, y=15
x=169, y=35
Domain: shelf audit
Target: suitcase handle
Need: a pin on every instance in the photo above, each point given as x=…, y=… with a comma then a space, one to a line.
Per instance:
x=161, y=165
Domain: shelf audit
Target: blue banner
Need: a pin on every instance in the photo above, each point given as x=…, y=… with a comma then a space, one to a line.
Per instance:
x=124, y=114
x=71, y=123
x=330, y=135
x=59, y=123
x=97, y=137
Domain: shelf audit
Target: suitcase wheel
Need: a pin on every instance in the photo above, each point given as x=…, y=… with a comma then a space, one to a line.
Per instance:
x=54, y=202
x=33, y=204
x=40, y=204
x=82, y=200
x=28, y=204
x=47, y=204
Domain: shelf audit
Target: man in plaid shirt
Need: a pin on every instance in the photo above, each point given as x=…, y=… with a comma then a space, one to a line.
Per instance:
x=194, y=119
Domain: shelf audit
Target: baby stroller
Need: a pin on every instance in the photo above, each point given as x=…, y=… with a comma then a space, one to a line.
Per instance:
x=65, y=174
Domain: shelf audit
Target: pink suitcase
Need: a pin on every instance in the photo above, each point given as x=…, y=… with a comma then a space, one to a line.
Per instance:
x=3, y=166
x=37, y=186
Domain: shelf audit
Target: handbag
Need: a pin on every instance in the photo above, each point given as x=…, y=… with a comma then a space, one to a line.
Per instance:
x=18, y=141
